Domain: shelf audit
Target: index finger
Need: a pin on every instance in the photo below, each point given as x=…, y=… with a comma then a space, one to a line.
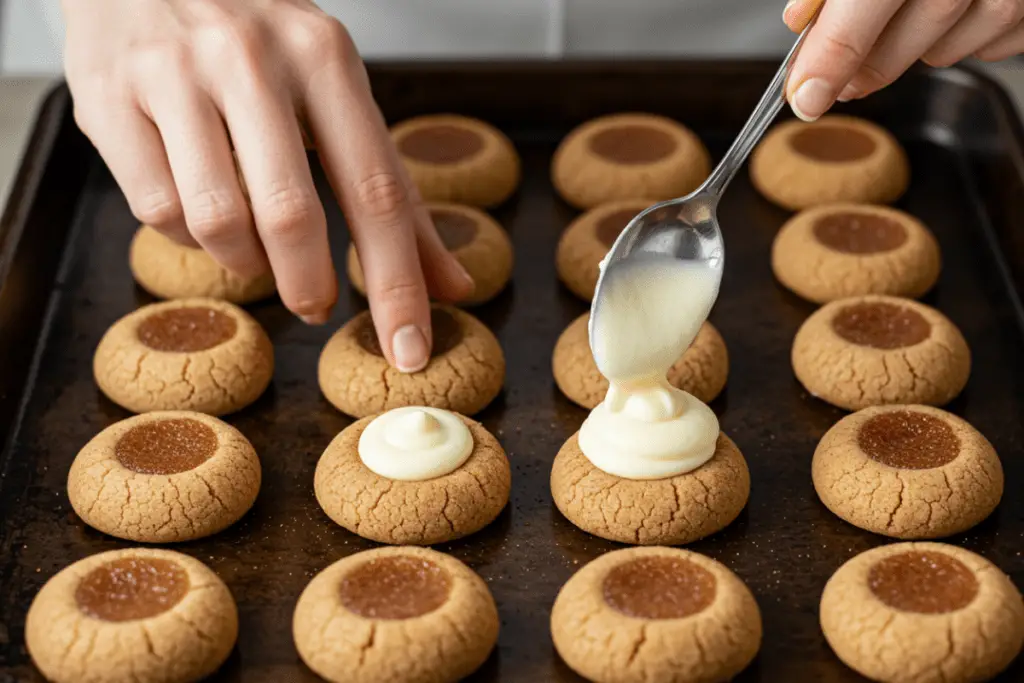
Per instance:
x=799, y=13
x=366, y=174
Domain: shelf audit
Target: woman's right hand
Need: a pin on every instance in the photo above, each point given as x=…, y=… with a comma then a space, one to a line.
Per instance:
x=166, y=89
x=858, y=47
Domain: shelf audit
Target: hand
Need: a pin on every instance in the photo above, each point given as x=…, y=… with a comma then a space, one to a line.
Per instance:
x=166, y=88
x=860, y=46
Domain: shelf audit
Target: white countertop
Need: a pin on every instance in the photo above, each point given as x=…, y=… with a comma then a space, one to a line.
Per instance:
x=21, y=97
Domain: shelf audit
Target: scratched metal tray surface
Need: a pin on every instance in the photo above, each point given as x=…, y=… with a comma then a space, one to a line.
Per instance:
x=65, y=279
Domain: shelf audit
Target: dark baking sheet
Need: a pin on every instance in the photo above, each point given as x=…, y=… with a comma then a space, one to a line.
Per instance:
x=67, y=280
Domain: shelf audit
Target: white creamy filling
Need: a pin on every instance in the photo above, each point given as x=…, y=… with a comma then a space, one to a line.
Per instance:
x=661, y=432
x=651, y=310
x=415, y=443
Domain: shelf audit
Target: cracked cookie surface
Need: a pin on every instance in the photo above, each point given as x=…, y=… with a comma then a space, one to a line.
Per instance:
x=465, y=373
x=880, y=350
x=702, y=370
x=834, y=159
x=395, y=614
x=164, y=477
x=624, y=156
x=475, y=239
x=656, y=614
x=923, y=613
x=671, y=511
x=412, y=512
x=840, y=250
x=454, y=158
x=169, y=270
x=910, y=472
x=139, y=614
x=586, y=242
x=203, y=355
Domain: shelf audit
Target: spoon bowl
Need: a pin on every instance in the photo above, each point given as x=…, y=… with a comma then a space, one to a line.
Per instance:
x=687, y=229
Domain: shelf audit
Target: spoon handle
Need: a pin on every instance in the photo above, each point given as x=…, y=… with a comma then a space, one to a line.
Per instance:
x=769, y=106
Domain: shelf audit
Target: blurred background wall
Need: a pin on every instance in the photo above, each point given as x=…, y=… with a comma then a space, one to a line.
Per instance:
x=31, y=30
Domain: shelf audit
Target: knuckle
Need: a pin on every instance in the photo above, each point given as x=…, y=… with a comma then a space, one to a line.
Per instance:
x=839, y=49
x=158, y=60
x=944, y=11
x=938, y=58
x=83, y=114
x=213, y=216
x=871, y=78
x=398, y=290
x=76, y=71
x=157, y=208
x=94, y=96
x=232, y=40
x=1005, y=13
x=310, y=304
x=289, y=213
x=381, y=195
x=994, y=54
x=319, y=38
x=212, y=229
x=986, y=55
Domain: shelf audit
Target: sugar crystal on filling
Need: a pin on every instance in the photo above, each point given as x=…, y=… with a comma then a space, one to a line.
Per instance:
x=186, y=330
x=659, y=588
x=132, y=588
x=926, y=582
x=396, y=587
x=908, y=439
x=166, y=446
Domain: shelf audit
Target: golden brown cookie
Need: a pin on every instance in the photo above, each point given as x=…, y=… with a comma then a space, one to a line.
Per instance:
x=458, y=159
x=169, y=270
x=624, y=156
x=395, y=614
x=655, y=614
x=587, y=240
x=412, y=512
x=139, y=614
x=474, y=239
x=701, y=371
x=920, y=612
x=907, y=472
x=840, y=250
x=164, y=477
x=672, y=511
x=835, y=159
x=189, y=354
x=877, y=350
x=466, y=369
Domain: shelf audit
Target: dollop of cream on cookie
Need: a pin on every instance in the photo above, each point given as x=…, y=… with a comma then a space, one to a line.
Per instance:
x=651, y=311
x=415, y=443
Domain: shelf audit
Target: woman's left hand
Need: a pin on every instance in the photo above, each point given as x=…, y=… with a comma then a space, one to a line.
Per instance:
x=857, y=47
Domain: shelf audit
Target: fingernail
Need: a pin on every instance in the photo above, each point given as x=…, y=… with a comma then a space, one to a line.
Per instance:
x=786, y=10
x=812, y=99
x=467, y=278
x=409, y=347
x=849, y=93
x=314, y=318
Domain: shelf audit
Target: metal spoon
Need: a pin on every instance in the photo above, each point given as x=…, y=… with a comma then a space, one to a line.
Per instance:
x=687, y=228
